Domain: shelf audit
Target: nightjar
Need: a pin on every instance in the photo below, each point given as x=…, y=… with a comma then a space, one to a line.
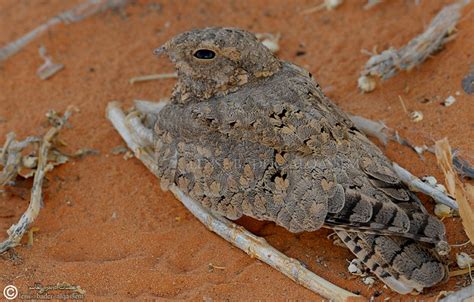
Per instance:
x=248, y=134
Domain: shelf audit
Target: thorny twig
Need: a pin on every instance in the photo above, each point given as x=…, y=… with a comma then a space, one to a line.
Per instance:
x=389, y=62
x=78, y=13
x=238, y=236
x=13, y=149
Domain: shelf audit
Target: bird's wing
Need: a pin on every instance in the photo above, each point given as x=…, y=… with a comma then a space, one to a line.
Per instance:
x=291, y=115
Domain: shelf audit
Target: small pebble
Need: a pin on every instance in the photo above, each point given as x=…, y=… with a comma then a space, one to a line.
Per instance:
x=468, y=83
x=431, y=180
x=449, y=101
x=442, y=211
x=366, y=83
x=270, y=41
x=441, y=188
x=29, y=161
x=420, y=149
x=368, y=281
x=332, y=4
x=416, y=116
x=355, y=267
x=464, y=260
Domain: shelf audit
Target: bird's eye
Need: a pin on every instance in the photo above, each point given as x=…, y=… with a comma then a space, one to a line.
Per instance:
x=204, y=54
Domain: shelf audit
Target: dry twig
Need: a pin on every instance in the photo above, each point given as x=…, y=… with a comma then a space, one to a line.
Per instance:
x=255, y=246
x=153, y=77
x=10, y=159
x=417, y=185
x=76, y=14
x=389, y=62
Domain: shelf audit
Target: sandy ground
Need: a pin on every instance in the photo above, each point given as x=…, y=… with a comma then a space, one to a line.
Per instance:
x=106, y=225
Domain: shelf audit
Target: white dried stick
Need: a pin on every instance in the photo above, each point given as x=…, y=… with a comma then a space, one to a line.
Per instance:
x=254, y=246
x=78, y=13
x=418, y=185
x=153, y=77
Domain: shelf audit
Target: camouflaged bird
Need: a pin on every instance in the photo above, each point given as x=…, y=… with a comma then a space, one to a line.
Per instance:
x=248, y=134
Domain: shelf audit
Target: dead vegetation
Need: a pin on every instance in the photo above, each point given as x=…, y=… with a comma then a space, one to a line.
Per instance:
x=34, y=156
x=463, y=192
x=388, y=63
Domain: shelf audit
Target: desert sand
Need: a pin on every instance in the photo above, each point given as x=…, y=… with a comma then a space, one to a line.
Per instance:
x=106, y=225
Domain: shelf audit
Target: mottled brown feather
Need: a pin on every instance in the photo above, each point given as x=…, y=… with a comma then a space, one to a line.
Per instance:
x=248, y=134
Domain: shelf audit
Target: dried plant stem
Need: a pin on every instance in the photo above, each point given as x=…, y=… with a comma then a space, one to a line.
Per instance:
x=78, y=13
x=460, y=272
x=372, y=128
x=153, y=77
x=16, y=231
x=389, y=62
x=418, y=185
x=254, y=246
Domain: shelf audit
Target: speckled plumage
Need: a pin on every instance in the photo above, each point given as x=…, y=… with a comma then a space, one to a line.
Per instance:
x=248, y=134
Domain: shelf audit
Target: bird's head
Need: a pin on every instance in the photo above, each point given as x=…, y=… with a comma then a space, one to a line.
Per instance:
x=216, y=61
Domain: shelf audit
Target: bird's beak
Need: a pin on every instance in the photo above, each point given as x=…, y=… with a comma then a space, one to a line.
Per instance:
x=161, y=50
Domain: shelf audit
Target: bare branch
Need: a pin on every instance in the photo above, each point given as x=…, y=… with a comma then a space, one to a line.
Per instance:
x=418, y=185
x=78, y=13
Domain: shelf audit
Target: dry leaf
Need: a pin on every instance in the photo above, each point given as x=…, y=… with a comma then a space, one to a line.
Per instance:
x=464, y=193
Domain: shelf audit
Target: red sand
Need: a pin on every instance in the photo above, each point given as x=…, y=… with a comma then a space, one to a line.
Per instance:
x=106, y=225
